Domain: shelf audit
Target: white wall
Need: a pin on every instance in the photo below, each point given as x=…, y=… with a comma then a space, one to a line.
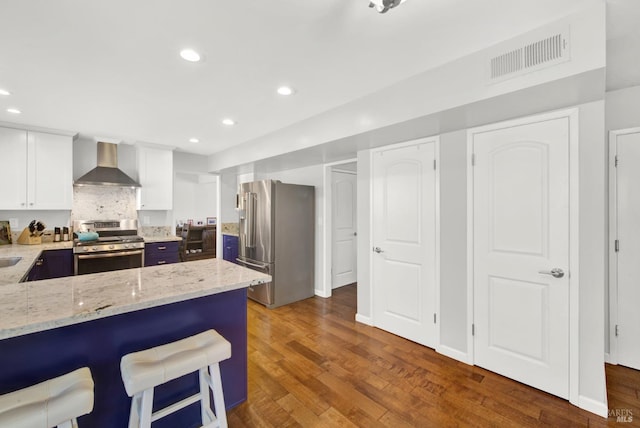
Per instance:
x=194, y=197
x=453, y=242
x=593, y=252
x=364, y=237
x=311, y=176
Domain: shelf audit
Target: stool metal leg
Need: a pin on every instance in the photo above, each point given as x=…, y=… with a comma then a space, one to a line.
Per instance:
x=218, y=395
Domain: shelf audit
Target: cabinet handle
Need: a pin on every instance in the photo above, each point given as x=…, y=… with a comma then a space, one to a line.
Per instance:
x=162, y=248
x=161, y=262
x=39, y=262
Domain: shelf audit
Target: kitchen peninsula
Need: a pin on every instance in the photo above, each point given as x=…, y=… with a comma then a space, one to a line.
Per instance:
x=53, y=326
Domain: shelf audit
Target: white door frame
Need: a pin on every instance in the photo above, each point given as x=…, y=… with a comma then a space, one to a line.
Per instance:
x=613, y=235
x=574, y=327
x=327, y=238
x=436, y=141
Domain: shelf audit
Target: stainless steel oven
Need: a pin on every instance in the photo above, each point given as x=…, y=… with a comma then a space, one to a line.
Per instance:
x=117, y=246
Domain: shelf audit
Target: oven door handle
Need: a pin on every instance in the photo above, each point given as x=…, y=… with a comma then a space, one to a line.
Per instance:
x=113, y=254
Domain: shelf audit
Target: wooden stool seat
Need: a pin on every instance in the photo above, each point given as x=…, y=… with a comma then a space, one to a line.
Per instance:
x=54, y=402
x=142, y=371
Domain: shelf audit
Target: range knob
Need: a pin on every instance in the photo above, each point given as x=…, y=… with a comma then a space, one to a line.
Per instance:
x=94, y=248
x=111, y=247
x=85, y=249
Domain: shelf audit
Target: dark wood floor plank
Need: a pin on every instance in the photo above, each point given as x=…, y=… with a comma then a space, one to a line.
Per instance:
x=312, y=365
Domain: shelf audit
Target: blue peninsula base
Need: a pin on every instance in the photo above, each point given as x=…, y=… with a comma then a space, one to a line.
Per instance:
x=99, y=344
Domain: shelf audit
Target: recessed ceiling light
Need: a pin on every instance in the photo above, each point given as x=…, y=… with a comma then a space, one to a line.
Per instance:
x=285, y=90
x=14, y=110
x=228, y=122
x=190, y=55
x=4, y=92
x=194, y=140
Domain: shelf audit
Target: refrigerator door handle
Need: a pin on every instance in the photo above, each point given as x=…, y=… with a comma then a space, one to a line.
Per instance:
x=250, y=222
x=251, y=264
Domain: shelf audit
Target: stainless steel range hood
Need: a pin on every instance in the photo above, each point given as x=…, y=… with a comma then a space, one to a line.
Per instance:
x=107, y=172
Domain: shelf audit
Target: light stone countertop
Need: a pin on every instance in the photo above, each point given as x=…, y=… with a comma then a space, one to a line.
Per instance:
x=30, y=307
x=151, y=239
x=29, y=254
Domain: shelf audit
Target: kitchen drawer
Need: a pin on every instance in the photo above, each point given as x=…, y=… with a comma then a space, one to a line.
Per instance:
x=159, y=253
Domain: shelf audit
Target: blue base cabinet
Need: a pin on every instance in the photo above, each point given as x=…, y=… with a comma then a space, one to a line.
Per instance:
x=160, y=253
x=230, y=248
x=52, y=264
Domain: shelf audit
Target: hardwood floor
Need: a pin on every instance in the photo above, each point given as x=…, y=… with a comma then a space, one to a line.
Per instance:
x=312, y=365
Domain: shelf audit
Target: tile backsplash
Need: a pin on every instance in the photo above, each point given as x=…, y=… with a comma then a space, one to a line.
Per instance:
x=103, y=202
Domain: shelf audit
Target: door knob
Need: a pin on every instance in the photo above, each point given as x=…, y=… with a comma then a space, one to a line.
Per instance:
x=555, y=272
x=378, y=250
x=355, y=233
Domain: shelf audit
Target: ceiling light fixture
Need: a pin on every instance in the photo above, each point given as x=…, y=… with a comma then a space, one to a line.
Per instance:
x=285, y=90
x=382, y=6
x=4, y=92
x=14, y=110
x=194, y=140
x=190, y=55
x=228, y=122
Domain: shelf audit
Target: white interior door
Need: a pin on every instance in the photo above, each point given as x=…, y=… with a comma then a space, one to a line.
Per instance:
x=404, y=241
x=344, y=236
x=521, y=236
x=628, y=235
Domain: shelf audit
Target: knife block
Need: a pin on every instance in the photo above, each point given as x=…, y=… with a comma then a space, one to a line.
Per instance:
x=25, y=238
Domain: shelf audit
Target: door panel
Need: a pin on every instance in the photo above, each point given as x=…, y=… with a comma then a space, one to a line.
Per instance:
x=628, y=201
x=520, y=231
x=404, y=268
x=344, y=254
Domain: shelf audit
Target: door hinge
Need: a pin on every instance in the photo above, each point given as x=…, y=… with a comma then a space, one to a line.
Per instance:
x=615, y=161
x=473, y=329
x=473, y=159
x=434, y=164
x=617, y=245
x=616, y=330
x=434, y=318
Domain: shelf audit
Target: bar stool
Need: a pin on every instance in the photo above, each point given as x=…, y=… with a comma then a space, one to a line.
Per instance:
x=54, y=402
x=144, y=370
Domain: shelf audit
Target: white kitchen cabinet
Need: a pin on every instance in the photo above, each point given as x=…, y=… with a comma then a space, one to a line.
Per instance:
x=155, y=173
x=37, y=170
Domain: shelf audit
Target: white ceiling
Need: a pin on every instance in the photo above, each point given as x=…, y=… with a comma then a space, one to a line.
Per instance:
x=111, y=69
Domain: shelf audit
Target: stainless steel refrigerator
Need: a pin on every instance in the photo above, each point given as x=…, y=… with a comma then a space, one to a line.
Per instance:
x=277, y=236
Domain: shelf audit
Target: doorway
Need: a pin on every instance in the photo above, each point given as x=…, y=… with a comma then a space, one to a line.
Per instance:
x=344, y=225
x=624, y=293
x=405, y=240
x=520, y=250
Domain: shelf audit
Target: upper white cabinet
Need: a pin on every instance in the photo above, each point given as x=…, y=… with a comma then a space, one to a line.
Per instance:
x=37, y=170
x=155, y=173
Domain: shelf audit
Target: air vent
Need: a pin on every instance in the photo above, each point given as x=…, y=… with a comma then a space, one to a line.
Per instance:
x=530, y=57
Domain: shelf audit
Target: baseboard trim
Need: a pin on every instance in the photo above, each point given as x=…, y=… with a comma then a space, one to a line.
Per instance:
x=454, y=353
x=593, y=406
x=321, y=293
x=363, y=319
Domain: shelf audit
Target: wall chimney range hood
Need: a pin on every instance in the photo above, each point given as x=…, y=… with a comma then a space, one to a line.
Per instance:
x=107, y=172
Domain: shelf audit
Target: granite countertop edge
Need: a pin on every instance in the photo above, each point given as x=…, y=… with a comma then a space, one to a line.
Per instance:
x=31, y=307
